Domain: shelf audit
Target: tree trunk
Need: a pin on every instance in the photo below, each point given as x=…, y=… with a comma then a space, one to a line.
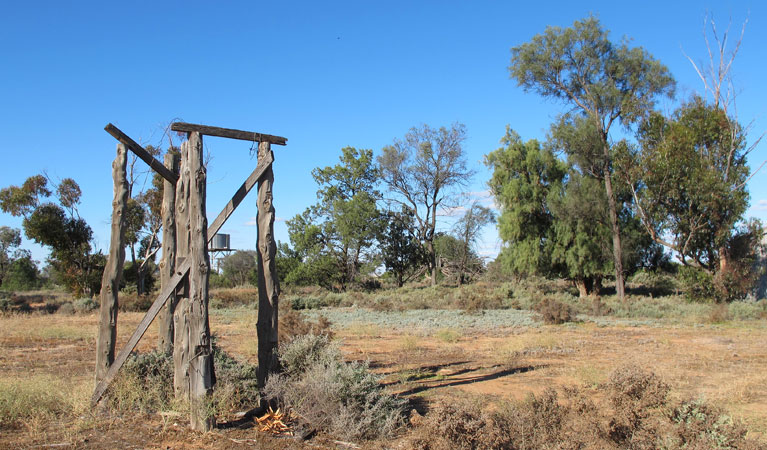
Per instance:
x=587, y=286
x=181, y=312
x=724, y=259
x=140, y=279
x=110, y=280
x=615, y=227
x=195, y=342
x=432, y=262
x=168, y=263
x=268, y=283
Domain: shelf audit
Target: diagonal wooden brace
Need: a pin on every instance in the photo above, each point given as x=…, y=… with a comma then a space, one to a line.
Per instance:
x=181, y=273
x=121, y=357
x=156, y=165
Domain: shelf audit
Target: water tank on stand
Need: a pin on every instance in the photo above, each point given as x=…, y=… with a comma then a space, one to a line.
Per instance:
x=220, y=242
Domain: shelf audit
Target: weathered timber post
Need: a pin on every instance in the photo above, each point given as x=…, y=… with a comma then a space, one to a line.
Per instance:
x=110, y=280
x=268, y=283
x=194, y=343
x=180, y=314
x=168, y=263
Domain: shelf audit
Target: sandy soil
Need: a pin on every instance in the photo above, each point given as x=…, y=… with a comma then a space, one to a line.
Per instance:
x=725, y=364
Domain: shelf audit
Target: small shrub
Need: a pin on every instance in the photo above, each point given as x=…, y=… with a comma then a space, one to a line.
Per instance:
x=305, y=351
x=66, y=309
x=698, y=285
x=236, y=383
x=699, y=425
x=85, y=305
x=299, y=303
x=636, y=395
x=448, y=335
x=6, y=304
x=719, y=313
x=132, y=302
x=145, y=383
x=345, y=399
x=554, y=312
x=293, y=324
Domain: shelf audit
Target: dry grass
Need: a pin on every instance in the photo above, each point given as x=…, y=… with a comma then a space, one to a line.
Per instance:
x=47, y=357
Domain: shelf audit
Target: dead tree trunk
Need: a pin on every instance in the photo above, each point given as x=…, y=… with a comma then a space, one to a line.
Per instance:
x=268, y=283
x=195, y=337
x=181, y=312
x=168, y=263
x=110, y=280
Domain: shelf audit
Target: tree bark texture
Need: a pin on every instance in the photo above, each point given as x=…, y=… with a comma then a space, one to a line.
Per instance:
x=193, y=337
x=110, y=280
x=168, y=263
x=615, y=227
x=181, y=312
x=268, y=283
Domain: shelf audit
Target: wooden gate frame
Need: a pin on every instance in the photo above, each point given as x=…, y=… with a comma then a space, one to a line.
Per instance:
x=268, y=282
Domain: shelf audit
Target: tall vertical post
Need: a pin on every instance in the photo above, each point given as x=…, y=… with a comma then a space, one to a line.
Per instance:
x=268, y=283
x=110, y=280
x=195, y=345
x=181, y=312
x=168, y=263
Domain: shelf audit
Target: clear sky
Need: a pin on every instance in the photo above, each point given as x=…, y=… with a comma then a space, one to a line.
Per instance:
x=323, y=74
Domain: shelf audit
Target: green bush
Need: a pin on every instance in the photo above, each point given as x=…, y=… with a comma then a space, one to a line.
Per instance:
x=698, y=285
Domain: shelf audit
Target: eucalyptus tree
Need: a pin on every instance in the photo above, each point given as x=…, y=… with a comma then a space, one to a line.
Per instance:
x=344, y=224
x=608, y=83
x=57, y=225
x=423, y=172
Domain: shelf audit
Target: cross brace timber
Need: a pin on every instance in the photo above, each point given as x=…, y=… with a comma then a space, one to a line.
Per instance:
x=156, y=165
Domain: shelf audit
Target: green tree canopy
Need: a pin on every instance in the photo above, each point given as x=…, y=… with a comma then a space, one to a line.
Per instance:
x=524, y=173
x=59, y=227
x=604, y=81
x=343, y=225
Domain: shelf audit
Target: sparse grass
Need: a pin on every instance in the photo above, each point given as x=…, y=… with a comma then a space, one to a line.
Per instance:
x=31, y=399
x=448, y=335
x=410, y=343
x=37, y=327
x=529, y=343
x=590, y=376
x=363, y=329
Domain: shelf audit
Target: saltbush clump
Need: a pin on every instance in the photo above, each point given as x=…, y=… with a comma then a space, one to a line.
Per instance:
x=554, y=312
x=345, y=399
x=145, y=383
x=85, y=305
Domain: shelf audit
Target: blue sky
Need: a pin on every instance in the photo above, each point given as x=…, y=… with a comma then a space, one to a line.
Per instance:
x=323, y=74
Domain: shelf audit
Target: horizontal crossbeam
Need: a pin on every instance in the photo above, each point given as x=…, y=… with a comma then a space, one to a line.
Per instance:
x=156, y=165
x=228, y=133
